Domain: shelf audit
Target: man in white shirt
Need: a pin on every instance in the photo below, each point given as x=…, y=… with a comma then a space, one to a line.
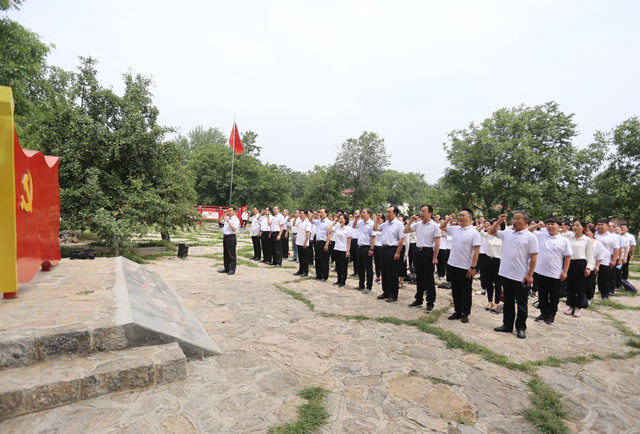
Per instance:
x=392, y=238
x=231, y=225
x=518, y=262
x=243, y=218
x=463, y=261
x=321, y=257
x=285, y=233
x=354, y=243
x=265, y=236
x=303, y=240
x=552, y=267
x=363, y=225
x=632, y=250
x=255, y=233
x=277, y=227
x=294, y=234
x=606, y=275
x=426, y=256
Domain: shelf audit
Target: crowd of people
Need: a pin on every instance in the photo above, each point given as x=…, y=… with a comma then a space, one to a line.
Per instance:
x=552, y=259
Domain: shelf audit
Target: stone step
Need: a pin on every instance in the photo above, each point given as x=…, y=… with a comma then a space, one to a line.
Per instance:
x=64, y=380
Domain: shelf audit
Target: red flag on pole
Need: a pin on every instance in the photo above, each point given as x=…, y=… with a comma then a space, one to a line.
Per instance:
x=234, y=140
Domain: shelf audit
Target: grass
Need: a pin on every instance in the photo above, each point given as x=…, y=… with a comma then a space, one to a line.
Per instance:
x=311, y=416
x=547, y=415
x=297, y=296
x=158, y=243
x=615, y=305
x=134, y=257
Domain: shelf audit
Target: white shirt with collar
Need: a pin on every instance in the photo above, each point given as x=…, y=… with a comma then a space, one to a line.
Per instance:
x=265, y=226
x=553, y=249
x=340, y=234
x=277, y=221
x=610, y=243
x=517, y=248
x=227, y=227
x=255, y=225
x=391, y=232
x=365, y=232
x=321, y=228
x=464, y=240
x=303, y=228
x=426, y=233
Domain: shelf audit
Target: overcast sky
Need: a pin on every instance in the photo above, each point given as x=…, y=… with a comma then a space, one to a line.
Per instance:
x=305, y=76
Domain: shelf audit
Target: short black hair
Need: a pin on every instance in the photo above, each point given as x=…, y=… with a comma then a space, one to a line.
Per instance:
x=469, y=211
x=605, y=221
x=396, y=210
x=552, y=219
x=429, y=207
x=525, y=216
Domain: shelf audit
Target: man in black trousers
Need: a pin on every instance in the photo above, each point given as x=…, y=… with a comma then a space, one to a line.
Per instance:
x=231, y=225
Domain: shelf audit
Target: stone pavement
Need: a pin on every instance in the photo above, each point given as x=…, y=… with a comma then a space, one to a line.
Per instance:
x=381, y=377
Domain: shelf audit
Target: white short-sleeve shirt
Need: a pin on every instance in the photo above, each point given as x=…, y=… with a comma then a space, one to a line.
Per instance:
x=303, y=228
x=426, y=233
x=464, y=239
x=517, y=248
x=553, y=249
x=340, y=235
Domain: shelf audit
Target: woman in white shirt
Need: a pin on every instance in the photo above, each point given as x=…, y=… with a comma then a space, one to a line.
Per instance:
x=599, y=254
x=340, y=233
x=494, y=285
x=582, y=262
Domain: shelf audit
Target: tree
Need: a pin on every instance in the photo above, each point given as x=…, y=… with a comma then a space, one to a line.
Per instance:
x=519, y=158
x=360, y=161
x=324, y=189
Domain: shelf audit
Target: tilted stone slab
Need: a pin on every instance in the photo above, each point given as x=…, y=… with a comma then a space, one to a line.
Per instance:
x=62, y=381
x=152, y=313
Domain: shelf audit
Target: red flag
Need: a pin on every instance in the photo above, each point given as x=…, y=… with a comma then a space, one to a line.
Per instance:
x=234, y=140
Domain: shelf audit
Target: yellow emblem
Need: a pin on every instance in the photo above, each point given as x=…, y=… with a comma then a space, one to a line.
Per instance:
x=26, y=203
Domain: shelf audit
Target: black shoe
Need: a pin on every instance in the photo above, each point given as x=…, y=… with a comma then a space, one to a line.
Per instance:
x=521, y=334
x=416, y=303
x=230, y=272
x=223, y=271
x=391, y=300
x=336, y=283
x=325, y=279
x=456, y=315
x=541, y=317
x=429, y=307
x=304, y=275
x=381, y=297
x=340, y=285
x=354, y=275
x=502, y=329
x=465, y=319
x=297, y=273
x=550, y=320
x=605, y=298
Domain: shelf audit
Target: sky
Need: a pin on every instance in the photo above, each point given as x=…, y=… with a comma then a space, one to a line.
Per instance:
x=305, y=76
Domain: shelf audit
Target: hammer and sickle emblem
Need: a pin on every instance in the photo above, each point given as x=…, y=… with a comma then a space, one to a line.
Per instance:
x=26, y=199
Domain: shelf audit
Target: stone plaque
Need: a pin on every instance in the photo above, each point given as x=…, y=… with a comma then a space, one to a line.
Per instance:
x=151, y=313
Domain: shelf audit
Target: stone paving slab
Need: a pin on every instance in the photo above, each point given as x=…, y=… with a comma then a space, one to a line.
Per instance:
x=65, y=380
x=601, y=396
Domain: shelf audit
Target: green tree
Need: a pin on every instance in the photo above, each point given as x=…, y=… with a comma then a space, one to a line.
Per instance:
x=360, y=161
x=519, y=158
x=324, y=189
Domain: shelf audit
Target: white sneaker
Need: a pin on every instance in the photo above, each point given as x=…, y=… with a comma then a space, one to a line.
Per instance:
x=569, y=311
x=481, y=292
x=577, y=313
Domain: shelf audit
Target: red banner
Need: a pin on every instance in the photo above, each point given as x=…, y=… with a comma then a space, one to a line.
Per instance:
x=234, y=140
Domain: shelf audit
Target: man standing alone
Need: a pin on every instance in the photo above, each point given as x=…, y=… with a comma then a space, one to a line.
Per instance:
x=231, y=224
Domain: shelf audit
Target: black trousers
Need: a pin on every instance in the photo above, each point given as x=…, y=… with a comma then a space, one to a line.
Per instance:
x=303, y=260
x=353, y=256
x=332, y=244
x=605, y=285
x=460, y=289
x=402, y=264
x=590, y=288
x=285, y=245
x=443, y=257
x=342, y=265
x=514, y=292
x=548, y=294
x=277, y=248
x=483, y=266
x=256, y=246
x=412, y=256
x=365, y=263
x=322, y=260
x=577, y=284
x=267, y=254
x=390, y=269
x=310, y=250
x=617, y=277
x=424, y=275
x=625, y=267
x=229, y=252
x=494, y=284
x=377, y=259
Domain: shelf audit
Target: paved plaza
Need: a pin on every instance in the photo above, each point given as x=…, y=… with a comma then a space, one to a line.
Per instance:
x=387, y=367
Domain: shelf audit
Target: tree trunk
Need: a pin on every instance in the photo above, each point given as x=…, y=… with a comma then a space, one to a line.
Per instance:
x=165, y=236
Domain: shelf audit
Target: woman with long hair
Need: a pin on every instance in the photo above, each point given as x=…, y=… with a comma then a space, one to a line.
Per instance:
x=582, y=263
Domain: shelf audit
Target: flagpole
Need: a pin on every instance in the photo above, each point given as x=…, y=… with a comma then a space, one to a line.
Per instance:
x=233, y=155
